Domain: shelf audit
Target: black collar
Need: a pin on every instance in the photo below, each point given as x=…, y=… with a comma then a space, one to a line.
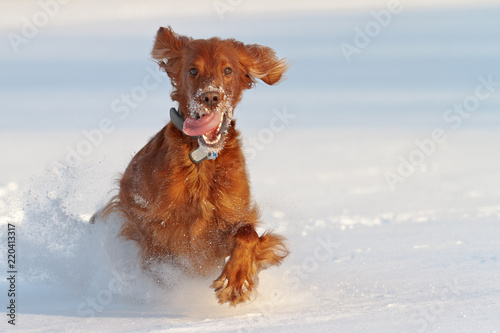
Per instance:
x=199, y=154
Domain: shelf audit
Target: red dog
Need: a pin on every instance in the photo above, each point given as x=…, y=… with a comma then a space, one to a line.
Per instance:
x=191, y=212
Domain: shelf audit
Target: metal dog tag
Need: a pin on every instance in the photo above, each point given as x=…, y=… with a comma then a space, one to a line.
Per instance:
x=200, y=154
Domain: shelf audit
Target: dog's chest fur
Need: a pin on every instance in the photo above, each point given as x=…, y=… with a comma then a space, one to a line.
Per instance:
x=185, y=199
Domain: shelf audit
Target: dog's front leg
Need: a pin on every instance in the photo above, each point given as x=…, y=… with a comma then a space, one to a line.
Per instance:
x=237, y=280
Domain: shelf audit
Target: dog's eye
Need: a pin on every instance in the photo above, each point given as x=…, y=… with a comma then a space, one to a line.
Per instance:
x=193, y=71
x=227, y=71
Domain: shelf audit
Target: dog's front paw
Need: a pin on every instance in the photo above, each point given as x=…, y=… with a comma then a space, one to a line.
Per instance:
x=234, y=289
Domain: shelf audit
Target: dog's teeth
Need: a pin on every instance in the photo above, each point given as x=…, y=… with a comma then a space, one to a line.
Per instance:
x=220, y=123
x=218, y=136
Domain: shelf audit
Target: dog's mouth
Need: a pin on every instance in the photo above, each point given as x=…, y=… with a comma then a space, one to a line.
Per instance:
x=210, y=129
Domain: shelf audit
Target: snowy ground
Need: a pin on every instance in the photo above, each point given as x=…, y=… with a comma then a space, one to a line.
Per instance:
x=388, y=192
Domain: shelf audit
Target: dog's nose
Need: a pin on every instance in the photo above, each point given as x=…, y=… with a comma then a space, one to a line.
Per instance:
x=210, y=98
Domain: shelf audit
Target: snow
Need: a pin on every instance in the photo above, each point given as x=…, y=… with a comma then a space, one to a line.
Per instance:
x=388, y=193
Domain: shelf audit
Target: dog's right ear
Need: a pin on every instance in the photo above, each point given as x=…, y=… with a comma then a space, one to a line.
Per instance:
x=168, y=49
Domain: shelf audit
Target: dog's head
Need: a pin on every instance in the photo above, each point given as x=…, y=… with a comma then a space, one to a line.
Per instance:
x=208, y=77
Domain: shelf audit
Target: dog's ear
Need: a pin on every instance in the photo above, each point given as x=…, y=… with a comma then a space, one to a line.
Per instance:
x=262, y=63
x=168, y=49
x=168, y=44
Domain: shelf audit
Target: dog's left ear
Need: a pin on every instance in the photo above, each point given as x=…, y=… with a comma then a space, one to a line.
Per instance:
x=168, y=44
x=262, y=63
x=168, y=50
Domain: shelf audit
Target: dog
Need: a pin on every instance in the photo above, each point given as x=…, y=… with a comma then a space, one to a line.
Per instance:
x=185, y=196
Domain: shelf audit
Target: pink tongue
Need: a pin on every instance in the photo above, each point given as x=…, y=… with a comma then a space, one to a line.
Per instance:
x=197, y=127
